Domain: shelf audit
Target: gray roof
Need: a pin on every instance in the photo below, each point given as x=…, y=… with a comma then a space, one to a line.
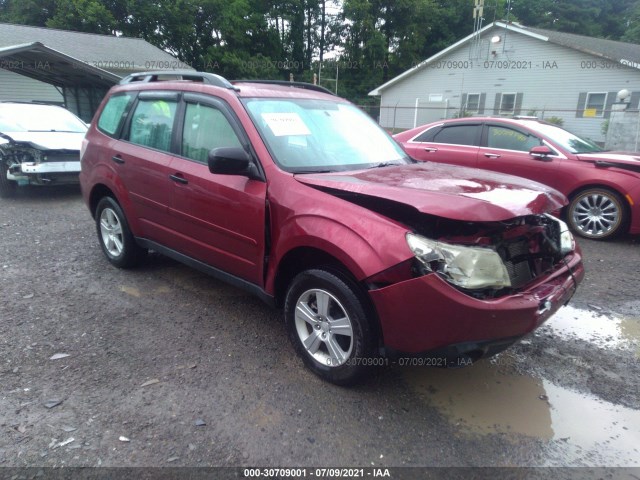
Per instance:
x=42, y=63
x=104, y=51
x=599, y=47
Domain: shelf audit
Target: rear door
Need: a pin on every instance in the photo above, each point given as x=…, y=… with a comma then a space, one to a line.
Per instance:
x=457, y=144
x=142, y=160
x=219, y=218
x=505, y=148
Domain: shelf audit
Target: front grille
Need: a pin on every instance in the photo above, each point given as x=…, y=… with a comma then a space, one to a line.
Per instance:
x=516, y=259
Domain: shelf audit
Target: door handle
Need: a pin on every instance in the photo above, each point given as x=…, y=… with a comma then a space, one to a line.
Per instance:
x=179, y=179
x=492, y=155
x=430, y=149
x=118, y=159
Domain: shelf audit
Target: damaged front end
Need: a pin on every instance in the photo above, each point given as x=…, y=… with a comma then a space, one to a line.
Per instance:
x=472, y=289
x=491, y=260
x=23, y=163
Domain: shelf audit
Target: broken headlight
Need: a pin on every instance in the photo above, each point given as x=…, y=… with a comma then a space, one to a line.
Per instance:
x=567, y=242
x=463, y=266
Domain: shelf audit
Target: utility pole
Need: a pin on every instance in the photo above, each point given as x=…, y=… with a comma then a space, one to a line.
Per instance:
x=322, y=23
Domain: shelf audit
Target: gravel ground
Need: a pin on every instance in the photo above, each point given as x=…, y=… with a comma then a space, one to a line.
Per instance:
x=163, y=366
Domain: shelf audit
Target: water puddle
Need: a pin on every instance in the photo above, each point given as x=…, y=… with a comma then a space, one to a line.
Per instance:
x=599, y=329
x=490, y=399
x=135, y=291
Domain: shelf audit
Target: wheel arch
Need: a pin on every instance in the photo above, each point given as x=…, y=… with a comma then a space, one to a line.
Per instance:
x=120, y=195
x=606, y=186
x=626, y=205
x=99, y=191
x=304, y=258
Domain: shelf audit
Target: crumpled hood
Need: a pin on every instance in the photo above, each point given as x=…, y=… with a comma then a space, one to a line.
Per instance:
x=49, y=140
x=447, y=191
x=629, y=160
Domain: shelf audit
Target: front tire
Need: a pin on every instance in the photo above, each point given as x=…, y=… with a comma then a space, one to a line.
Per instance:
x=115, y=236
x=325, y=316
x=7, y=187
x=597, y=213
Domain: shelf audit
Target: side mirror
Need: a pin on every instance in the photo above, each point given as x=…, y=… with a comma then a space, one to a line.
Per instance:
x=232, y=161
x=541, y=152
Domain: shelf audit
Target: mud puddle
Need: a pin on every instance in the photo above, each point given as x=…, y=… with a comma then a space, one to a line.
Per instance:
x=603, y=330
x=490, y=397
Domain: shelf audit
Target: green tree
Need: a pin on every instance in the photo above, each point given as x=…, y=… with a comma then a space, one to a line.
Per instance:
x=82, y=16
x=27, y=12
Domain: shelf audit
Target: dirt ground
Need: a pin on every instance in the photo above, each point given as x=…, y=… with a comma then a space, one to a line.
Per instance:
x=163, y=366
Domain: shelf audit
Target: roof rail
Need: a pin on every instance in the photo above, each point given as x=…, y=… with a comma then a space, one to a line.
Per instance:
x=525, y=117
x=286, y=83
x=168, y=75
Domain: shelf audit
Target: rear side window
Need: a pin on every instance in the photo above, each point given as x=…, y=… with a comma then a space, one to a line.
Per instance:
x=205, y=128
x=114, y=113
x=152, y=123
x=458, y=135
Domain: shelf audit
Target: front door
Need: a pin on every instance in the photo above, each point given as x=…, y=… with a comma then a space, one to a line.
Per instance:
x=220, y=218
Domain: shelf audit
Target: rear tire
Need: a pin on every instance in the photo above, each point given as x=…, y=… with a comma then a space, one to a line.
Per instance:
x=7, y=187
x=325, y=316
x=115, y=236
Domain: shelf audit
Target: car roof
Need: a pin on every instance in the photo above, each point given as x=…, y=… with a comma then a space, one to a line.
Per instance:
x=522, y=121
x=203, y=82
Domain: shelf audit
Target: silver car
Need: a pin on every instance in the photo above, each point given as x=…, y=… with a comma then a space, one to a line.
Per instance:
x=39, y=145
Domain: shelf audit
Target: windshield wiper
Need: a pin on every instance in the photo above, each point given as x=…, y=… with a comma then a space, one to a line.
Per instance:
x=54, y=130
x=393, y=163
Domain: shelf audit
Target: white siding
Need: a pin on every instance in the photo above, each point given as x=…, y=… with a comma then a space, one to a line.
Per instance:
x=549, y=76
x=23, y=89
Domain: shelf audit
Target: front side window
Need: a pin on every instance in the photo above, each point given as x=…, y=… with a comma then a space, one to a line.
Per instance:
x=305, y=135
x=205, y=128
x=510, y=139
x=152, y=123
x=113, y=113
x=458, y=135
x=596, y=103
x=508, y=103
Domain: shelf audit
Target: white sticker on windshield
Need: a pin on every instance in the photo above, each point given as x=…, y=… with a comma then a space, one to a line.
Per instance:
x=284, y=124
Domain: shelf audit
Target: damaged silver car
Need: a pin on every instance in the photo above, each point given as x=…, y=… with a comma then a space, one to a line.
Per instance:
x=39, y=145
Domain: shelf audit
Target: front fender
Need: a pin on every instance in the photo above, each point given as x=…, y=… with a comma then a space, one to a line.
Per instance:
x=362, y=253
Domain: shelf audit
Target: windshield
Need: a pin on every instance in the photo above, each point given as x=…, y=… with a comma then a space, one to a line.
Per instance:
x=38, y=118
x=319, y=135
x=567, y=140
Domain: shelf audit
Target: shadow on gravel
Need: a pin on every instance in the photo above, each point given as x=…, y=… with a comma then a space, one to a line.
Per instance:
x=35, y=193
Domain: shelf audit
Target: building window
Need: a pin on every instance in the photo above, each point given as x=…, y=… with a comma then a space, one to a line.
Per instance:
x=473, y=103
x=508, y=103
x=595, y=104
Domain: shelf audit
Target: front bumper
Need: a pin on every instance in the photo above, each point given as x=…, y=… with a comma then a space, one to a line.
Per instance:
x=44, y=172
x=427, y=314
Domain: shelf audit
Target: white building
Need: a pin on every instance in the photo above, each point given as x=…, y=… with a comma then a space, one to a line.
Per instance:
x=509, y=69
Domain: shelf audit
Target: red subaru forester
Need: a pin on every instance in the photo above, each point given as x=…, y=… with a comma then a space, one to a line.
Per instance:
x=297, y=196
